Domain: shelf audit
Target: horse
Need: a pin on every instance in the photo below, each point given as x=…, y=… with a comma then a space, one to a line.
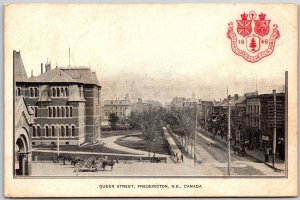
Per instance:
x=74, y=161
x=110, y=163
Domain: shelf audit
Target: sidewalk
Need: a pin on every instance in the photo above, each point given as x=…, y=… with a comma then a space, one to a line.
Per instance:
x=259, y=155
x=256, y=154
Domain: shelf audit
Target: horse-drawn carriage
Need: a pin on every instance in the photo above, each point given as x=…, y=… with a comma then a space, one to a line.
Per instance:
x=92, y=164
x=239, y=150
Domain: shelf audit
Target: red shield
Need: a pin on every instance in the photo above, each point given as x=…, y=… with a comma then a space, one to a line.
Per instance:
x=262, y=27
x=244, y=27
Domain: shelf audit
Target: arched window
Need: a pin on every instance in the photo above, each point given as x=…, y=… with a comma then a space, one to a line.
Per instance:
x=52, y=131
x=67, y=92
x=50, y=112
x=53, y=92
x=71, y=114
x=35, y=92
x=38, y=131
x=63, y=112
x=33, y=131
x=31, y=92
x=73, y=131
x=62, y=92
x=62, y=131
x=18, y=92
x=57, y=92
x=54, y=112
x=67, y=131
x=67, y=112
x=46, y=131
x=58, y=114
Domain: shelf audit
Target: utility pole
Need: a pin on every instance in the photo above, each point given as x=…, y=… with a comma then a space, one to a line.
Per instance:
x=274, y=133
x=69, y=57
x=195, y=137
x=228, y=137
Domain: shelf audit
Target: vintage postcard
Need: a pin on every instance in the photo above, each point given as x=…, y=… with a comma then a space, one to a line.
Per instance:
x=151, y=100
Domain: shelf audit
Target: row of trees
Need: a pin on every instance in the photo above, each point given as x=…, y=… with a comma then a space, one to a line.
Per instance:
x=181, y=121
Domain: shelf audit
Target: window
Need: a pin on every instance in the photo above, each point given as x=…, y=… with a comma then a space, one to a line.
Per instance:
x=18, y=92
x=58, y=114
x=49, y=112
x=62, y=91
x=35, y=111
x=46, y=131
x=67, y=92
x=35, y=92
x=57, y=92
x=63, y=112
x=67, y=112
x=33, y=131
x=73, y=131
x=52, y=131
x=67, y=130
x=38, y=131
x=62, y=131
x=54, y=112
x=31, y=92
x=53, y=92
x=71, y=114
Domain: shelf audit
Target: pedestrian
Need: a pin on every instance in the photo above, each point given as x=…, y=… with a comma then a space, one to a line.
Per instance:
x=177, y=157
x=64, y=160
x=267, y=154
x=181, y=157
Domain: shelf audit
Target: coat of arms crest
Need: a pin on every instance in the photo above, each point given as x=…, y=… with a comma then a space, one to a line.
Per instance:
x=253, y=46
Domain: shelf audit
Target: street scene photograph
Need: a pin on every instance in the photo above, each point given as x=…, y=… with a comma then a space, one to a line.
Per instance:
x=110, y=94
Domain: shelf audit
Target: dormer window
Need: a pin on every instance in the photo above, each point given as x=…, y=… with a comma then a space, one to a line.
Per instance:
x=33, y=92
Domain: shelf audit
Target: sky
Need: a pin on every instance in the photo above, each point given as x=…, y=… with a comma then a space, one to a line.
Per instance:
x=152, y=51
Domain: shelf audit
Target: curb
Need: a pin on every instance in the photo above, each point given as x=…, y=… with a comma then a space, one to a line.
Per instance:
x=276, y=169
x=247, y=154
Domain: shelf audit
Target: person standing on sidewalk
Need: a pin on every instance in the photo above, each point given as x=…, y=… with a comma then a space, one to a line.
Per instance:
x=267, y=152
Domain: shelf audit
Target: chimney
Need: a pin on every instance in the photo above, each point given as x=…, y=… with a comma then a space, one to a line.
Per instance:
x=42, y=70
x=274, y=91
x=236, y=97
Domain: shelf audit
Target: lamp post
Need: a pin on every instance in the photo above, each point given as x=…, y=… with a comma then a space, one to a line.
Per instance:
x=57, y=132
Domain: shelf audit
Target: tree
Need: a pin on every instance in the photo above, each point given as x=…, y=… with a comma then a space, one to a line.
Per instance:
x=113, y=119
x=253, y=44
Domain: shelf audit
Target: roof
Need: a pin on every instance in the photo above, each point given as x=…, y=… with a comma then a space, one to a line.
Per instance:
x=53, y=76
x=82, y=75
x=67, y=75
x=116, y=102
x=19, y=69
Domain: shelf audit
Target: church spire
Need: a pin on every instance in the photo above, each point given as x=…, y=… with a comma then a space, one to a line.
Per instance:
x=19, y=69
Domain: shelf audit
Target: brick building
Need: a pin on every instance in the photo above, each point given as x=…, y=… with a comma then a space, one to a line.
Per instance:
x=65, y=101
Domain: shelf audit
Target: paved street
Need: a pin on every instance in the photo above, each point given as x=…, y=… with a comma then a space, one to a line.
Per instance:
x=213, y=153
x=211, y=161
